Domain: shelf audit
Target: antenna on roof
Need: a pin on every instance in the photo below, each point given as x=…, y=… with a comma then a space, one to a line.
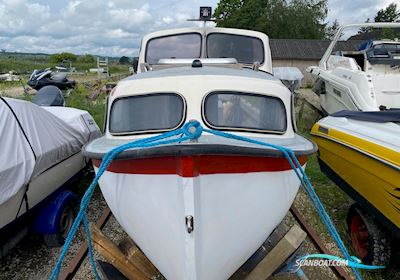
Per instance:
x=205, y=15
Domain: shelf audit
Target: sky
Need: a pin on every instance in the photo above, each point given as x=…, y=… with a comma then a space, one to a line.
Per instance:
x=115, y=27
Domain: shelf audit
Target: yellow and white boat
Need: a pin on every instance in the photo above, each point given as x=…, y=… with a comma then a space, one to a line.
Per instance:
x=360, y=152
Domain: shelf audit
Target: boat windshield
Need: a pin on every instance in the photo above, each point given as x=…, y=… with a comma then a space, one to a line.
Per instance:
x=150, y=112
x=384, y=53
x=388, y=46
x=245, y=49
x=185, y=45
x=244, y=111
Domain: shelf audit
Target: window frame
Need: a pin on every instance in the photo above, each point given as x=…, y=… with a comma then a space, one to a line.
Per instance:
x=225, y=33
x=172, y=35
x=241, y=129
x=148, y=131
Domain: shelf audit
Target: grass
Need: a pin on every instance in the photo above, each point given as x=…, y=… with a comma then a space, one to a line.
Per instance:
x=79, y=98
x=23, y=65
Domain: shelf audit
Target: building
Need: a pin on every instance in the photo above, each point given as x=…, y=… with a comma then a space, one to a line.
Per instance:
x=302, y=53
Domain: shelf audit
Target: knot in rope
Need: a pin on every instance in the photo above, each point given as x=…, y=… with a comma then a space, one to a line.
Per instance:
x=192, y=129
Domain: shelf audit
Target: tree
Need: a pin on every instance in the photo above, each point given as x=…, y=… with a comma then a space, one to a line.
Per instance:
x=332, y=29
x=365, y=29
x=87, y=58
x=276, y=18
x=60, y=57
x=389, y=14
x=124, y=60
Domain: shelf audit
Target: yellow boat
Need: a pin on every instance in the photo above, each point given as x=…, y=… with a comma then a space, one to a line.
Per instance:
x=360, y=152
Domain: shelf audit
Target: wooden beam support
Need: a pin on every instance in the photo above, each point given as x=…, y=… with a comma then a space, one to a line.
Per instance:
x=70, y=271
x=134, y=255
x=113, y=255
x=273, y=260
x=318, y=242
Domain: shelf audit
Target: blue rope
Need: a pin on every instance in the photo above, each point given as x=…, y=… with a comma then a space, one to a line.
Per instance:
x=90, y=247
x=191, y=130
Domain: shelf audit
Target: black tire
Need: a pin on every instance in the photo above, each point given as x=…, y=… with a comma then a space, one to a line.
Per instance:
x=378, y=246
x=66, y=220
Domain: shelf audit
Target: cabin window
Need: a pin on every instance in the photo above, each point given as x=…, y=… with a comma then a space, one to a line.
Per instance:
x=150, y=112
x=245, y=49
x=244, y=111
x=186, y=45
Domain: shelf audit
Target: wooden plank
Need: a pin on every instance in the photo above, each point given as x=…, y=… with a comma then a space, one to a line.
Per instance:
x=273, y=260
x=318, y=243
x=136, y=256
x=112, y=254
x=70, y=271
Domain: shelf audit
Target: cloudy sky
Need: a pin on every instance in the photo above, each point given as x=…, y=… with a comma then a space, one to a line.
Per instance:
x=114, y=27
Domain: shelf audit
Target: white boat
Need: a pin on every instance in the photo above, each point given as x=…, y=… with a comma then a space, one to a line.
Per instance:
x=41, y=152
x=363, y=80
x=199, y=210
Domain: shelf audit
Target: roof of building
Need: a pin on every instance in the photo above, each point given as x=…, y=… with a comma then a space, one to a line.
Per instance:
x=306, y=49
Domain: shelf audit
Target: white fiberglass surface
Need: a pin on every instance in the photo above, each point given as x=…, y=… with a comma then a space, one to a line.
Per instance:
x=385, y=134
x=232, y=218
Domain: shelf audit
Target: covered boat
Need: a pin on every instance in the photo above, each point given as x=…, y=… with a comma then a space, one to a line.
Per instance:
x=41, y=152
x=364, y=80
x=199, y=210
x=360, y=152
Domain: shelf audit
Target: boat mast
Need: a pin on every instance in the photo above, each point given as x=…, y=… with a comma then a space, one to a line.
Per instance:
x=205, y=16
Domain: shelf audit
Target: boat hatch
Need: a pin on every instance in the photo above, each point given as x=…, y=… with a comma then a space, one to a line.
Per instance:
x=156, y=112
x=244, y=112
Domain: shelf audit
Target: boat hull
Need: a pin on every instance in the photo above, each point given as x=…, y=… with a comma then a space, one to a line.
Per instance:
x=233, y=212
x=353, y=164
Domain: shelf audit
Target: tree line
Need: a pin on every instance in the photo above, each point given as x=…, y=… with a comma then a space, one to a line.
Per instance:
x=294, y=19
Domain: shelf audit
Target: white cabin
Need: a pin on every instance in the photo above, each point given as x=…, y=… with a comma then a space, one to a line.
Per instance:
x=247, y=47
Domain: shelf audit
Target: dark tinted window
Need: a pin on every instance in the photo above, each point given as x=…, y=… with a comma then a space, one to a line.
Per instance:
x=161, y=111
x=245, y=111
x=388, y=46
x=244, y=48
x=174, y=46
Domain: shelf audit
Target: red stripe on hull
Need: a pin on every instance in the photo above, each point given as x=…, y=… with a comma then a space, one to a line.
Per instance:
x=192, y=166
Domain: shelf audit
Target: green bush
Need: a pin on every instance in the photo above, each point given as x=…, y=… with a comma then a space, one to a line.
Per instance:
x=60, y=57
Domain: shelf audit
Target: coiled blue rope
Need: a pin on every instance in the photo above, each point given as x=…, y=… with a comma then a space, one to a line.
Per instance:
x=191, y=130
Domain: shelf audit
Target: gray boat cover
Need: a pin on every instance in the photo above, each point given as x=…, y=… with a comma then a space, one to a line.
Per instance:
x=376, y=116
x=34, y=138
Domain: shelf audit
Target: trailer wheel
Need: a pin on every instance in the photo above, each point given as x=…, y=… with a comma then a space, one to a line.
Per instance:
x=368, y=238
x=66, y=220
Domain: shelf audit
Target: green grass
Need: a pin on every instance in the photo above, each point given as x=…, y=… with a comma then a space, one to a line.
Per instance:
x=79, y=98
x=23, y=65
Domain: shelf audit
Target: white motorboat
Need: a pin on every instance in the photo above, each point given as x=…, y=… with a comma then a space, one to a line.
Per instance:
x=199, y=210
x=41, y=152
x=363, y=80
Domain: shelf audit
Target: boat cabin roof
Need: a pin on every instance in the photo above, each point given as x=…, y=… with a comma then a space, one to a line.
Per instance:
x=203, y=71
